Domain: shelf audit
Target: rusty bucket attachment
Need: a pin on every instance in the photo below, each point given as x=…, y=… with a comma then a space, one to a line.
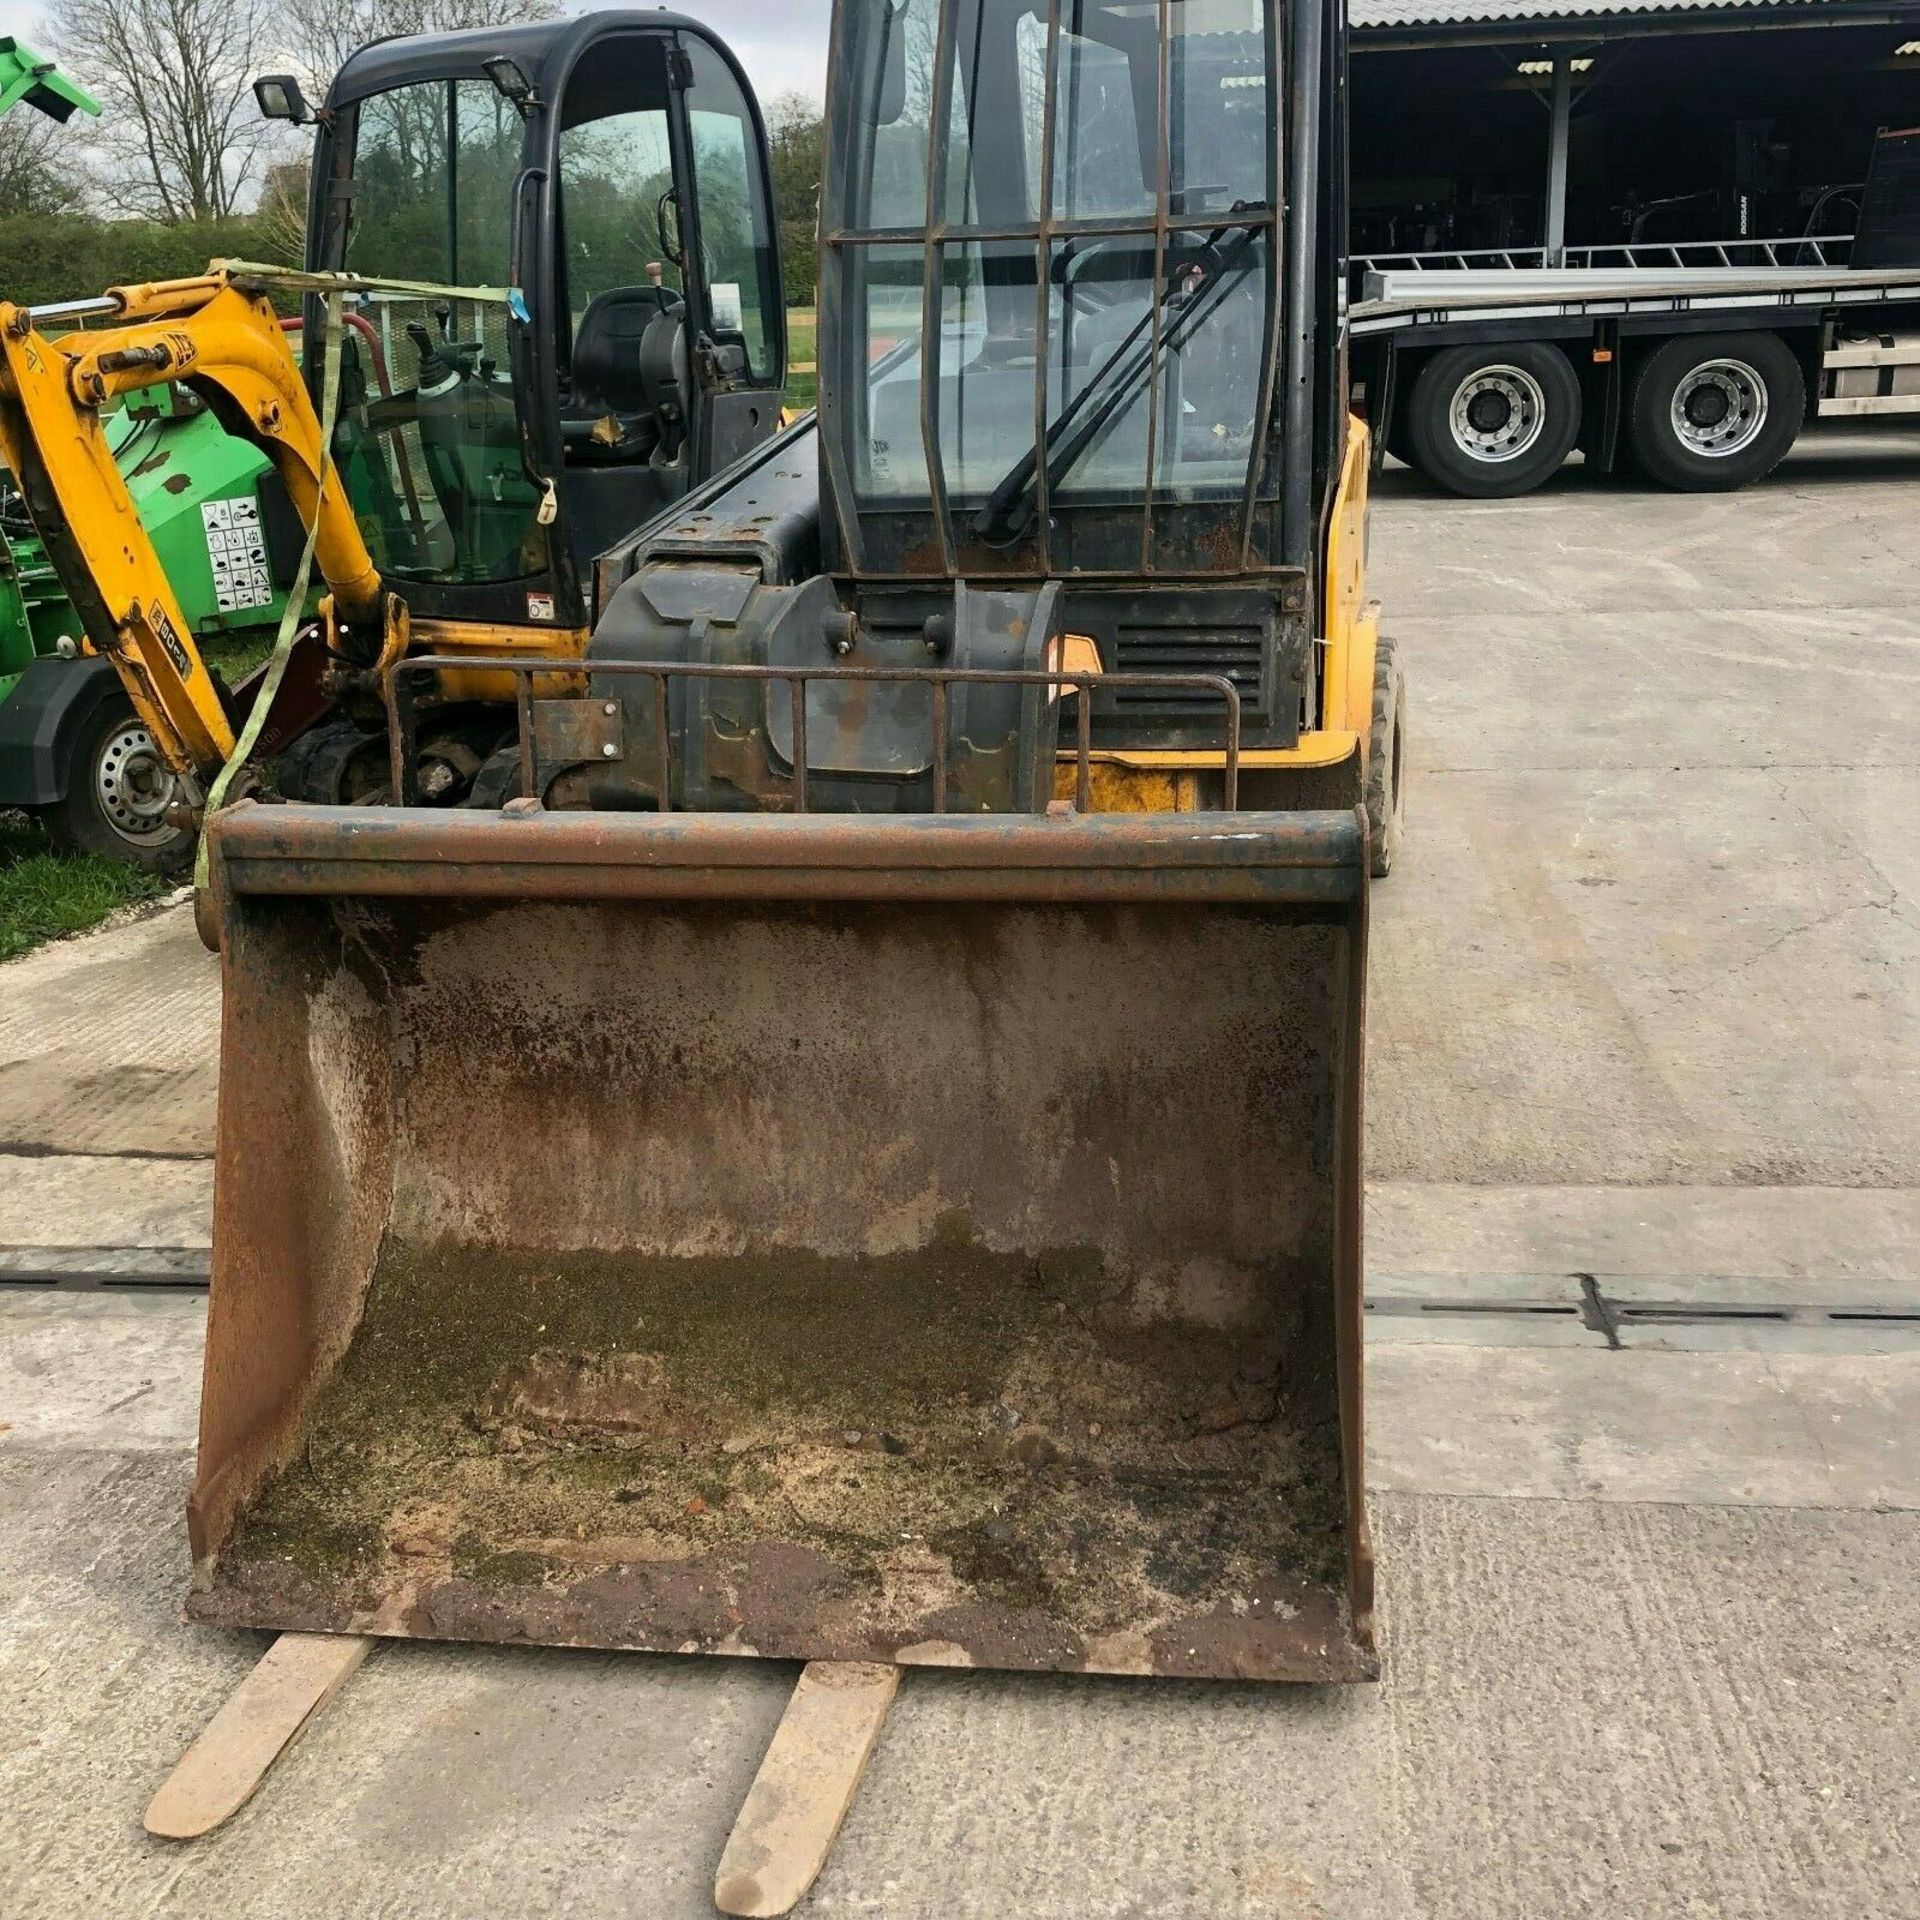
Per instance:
x=928, y=1239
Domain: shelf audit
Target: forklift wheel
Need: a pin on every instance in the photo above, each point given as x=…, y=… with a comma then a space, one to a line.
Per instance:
x=118, y=793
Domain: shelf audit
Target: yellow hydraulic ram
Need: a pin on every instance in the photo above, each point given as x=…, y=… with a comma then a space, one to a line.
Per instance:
x=220, y=335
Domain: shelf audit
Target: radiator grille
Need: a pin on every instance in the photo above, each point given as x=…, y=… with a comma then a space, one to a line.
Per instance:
x=1238, y=652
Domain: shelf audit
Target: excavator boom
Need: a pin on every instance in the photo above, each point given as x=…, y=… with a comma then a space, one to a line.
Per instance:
x=222, y=336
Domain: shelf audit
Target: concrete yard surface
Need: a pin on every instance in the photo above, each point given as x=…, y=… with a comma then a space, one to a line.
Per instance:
x=1643, y=1353
x=111, y=1043
x=1590, y=1707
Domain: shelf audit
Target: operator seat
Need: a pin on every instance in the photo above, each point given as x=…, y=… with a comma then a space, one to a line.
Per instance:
x=613, y=412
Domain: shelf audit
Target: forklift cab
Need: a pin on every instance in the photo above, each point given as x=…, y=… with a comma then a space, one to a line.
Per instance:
x=587, y=202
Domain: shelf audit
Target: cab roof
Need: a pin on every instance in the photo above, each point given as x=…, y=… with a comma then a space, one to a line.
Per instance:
x=545, y=49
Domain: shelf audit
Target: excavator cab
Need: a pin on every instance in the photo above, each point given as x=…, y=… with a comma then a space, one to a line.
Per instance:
x=568, y=315
x=602, y=182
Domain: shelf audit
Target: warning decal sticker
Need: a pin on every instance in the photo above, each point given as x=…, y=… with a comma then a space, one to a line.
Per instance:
x=238, y=551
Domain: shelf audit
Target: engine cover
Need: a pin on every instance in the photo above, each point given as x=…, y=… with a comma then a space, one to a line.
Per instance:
x=867, y=707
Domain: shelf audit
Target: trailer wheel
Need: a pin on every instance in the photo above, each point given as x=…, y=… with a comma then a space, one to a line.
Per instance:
x=1491, y=421
x=1386, y=785
x=118, y=793
x=1711, y=412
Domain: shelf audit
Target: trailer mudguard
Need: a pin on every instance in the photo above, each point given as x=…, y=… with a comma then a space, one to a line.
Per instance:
x=42, y=718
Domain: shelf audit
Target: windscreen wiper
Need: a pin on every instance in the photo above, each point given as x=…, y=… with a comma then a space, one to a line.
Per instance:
x=1007, y=511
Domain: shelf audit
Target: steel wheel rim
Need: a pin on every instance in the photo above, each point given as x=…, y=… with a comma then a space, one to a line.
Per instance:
x=135, y=787
x=1719, y=408
x=1510, y=426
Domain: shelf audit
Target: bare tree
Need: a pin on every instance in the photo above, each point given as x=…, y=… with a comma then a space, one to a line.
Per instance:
x=37, y=174
x=280, y=220
x=315, y=37
x=181, y=131
x=319, y=34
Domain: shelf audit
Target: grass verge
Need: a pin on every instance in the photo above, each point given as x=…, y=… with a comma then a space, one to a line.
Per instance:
x=45, y=895
x=234, y=656
x=802, y=349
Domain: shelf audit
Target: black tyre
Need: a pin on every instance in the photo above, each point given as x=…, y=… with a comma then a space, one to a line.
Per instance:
x=498, y=780
x=1493, y=421
x=336, y=764
x=118, y=793
x=1386, y=788
x=1709, y=412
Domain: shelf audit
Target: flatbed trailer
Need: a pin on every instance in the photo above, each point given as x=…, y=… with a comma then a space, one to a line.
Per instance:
x=1701, y=377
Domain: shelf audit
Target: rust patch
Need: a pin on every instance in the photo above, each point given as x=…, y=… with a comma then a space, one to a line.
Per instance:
x=924, y=558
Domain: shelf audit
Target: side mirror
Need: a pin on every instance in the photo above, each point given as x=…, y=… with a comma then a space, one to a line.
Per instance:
x=280, y=98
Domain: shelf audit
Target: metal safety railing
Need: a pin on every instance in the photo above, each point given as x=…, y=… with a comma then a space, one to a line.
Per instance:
x=1806, y=250
x=1445, y=259
x=939, y=681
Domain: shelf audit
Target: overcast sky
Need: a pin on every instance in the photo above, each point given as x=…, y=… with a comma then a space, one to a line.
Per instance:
x=781, y=43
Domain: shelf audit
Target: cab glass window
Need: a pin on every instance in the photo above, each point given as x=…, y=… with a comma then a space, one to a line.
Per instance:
x=738, y=256
x=429, y=436
x=1150, y=377
x=616, y=177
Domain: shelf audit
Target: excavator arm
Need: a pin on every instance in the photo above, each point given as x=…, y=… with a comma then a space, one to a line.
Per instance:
x=224, y=339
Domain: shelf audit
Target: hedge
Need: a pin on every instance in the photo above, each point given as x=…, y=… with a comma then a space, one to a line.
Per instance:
x=73, y=256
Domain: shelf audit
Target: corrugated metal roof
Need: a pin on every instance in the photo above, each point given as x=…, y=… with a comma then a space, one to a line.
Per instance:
x=1363, y=14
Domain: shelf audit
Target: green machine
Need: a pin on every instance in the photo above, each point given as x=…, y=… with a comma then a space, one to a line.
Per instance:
x=25, y=75
x=33, y=611
x=72, y=749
